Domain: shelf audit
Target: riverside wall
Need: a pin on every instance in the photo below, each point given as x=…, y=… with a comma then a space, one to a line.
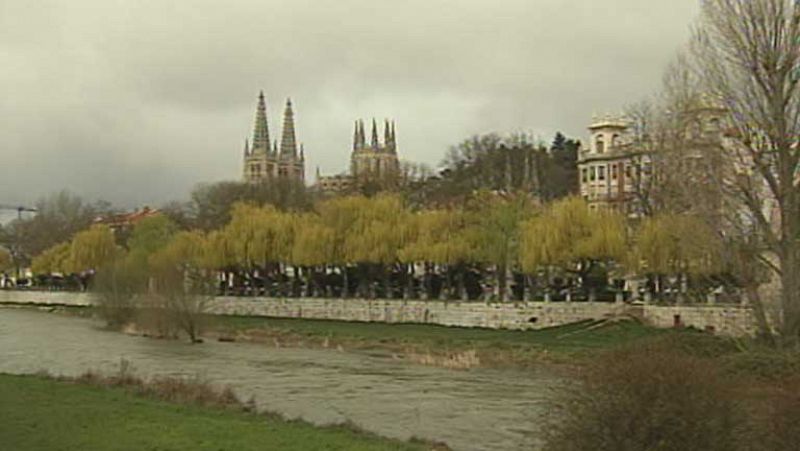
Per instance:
x=721, y=319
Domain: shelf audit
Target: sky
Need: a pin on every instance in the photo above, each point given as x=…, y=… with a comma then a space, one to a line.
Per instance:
x=137, y=101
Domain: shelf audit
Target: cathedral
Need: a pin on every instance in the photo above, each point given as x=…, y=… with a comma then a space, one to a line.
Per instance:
x=374, y=160
x=370, y=161
x=263, y=160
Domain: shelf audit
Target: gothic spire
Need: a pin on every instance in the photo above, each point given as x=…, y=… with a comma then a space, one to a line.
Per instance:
x=394, y=139
x=288, y=142
x=362, y=135
x=261, y=130
x=387, y=135
x=356, y=137
x=375, y=143
x=246, y=147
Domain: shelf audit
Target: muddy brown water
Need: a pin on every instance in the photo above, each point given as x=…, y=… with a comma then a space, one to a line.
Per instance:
x=477, y=409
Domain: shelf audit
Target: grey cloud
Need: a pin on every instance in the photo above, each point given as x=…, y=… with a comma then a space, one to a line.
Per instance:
x=136, y=101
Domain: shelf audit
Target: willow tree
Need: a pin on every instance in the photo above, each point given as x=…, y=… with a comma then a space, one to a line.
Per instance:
x=92, y=249
x=439, y=237
x=571, y=237
x=260, y=239
x=181, y=285
x=339, y=215
x=497, y=235
x=680, y=246
x=313, y=248
x=376, y=235
x=52, y=260
x=149, y=235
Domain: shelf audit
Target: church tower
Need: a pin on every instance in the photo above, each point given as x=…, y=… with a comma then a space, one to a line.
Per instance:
x=376, y=161
x=262, y=158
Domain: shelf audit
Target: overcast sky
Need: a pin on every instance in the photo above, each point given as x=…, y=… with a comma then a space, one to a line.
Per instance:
x=136, y=101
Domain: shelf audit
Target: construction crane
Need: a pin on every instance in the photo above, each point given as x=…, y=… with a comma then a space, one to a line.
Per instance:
x=19, y=209
x=14, y=248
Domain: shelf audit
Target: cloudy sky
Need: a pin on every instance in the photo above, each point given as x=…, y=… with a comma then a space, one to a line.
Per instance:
x=136, y=101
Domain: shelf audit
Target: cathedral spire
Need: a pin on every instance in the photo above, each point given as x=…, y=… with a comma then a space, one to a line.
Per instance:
x=261, y=130
x=387, y=133
x=356, y=137
x=246, y=147
x=375, y=143
x=394, y=140
x=362, y=136
x=288, y=142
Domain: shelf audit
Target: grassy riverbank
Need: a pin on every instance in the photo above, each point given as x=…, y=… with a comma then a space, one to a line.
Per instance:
x=429, y=344
x=490, y=347
x=37, y=413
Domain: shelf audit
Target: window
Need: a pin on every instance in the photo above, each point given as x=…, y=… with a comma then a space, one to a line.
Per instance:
x=628, y=171
x=615, y=141
x=601, y=173
x=600, y=144
x=613, y=172
x=592, y=173
x=584, y=175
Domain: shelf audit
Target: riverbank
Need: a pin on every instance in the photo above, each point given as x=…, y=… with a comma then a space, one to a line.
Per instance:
x=450, y=347
x=38, y=413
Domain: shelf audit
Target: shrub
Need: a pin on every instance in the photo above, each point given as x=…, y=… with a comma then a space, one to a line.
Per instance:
x=652, y=397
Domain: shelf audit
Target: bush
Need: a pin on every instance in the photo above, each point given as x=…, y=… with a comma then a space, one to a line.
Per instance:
x=117, y=287
x=776, y=416
x=652, y=397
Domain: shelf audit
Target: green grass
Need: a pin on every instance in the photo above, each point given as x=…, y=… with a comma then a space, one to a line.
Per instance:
x=570, y=339
x=43, y=414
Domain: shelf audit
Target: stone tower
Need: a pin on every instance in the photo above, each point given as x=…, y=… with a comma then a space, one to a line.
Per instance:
x=264, y=162
x=376, y=160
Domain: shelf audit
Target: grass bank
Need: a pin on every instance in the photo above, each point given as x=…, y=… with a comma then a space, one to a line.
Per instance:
x=38, y=413
x=448, y=346
x=454, y=347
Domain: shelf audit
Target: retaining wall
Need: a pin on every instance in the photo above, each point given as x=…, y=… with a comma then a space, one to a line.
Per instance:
x=725, y=320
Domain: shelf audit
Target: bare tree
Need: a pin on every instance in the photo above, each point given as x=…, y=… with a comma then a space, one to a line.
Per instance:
x=746, y=55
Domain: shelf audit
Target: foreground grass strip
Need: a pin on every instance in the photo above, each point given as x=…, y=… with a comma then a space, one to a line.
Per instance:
x=43, y=414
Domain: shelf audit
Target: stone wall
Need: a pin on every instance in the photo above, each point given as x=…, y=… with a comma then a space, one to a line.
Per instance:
x=531, y=315
x=45, y=298
x=724, y=320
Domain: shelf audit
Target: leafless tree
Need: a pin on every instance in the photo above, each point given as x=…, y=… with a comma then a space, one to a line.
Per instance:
x=746, y=55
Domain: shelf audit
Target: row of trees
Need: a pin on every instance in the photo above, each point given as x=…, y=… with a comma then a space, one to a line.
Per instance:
x=495, y=247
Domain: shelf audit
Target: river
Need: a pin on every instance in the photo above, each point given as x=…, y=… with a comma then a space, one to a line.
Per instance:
x=478, y=409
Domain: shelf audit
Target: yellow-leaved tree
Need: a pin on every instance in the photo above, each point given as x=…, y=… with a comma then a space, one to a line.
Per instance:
x=92, y=249
x=313, y=249
x=497, y=235
x=52, y=260
x=680, y=246
x=440, y=238
x=377, y=233
x=568, y=235
x=6, y=261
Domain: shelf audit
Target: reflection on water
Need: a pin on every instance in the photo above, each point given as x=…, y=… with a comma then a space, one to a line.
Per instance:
x=477, y=409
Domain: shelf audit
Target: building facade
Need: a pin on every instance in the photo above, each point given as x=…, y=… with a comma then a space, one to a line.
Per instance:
x=624, y=169
x=263, y=159
x=612, y=167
